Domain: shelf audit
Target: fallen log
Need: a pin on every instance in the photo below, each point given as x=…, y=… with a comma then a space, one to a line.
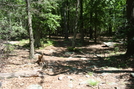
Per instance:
x=28, y=73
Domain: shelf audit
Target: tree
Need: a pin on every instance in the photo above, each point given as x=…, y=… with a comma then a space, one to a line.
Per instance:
x=45, y=19
x=31, y=39
x=64, y=14
x=76, y=23
x=81, y=21
x=130, y=27
x=12, y=20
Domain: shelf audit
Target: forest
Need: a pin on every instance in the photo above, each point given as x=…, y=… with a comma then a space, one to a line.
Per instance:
x=70, y=44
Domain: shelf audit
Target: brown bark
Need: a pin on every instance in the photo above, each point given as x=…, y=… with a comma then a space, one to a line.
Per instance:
x=31, y=39
x=76, y=25
x=81, y=21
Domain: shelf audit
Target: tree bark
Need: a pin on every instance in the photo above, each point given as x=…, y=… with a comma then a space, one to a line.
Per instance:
x=31, y=39
x=37, y=42
x=76, y=25
x=95, y=30
x=65, y=20
x=81, y=21
x=130, y=28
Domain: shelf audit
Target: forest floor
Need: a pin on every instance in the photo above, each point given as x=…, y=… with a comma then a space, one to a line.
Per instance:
x=94, y=66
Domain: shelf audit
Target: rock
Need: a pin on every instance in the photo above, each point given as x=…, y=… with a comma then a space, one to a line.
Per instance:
x=34, y=86
x=70, y=85
x=50, y=70
x=68, y=53
x=70, y=57
x=82, y=83
x=87, y=76
x=52, y=51
x=60, y=78
x=92, y=67
x=69, y=77
x=109, y=44
x=132, y=74
x=105, y=74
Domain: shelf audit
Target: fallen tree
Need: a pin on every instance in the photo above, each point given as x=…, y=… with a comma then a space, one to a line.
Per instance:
x=28, y=73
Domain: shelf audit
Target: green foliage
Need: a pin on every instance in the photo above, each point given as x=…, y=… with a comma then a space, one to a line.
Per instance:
x=48, y=43
x=11, y=20
x=52, y=21
x=9, y=48
x=116, y=49
x=90, y=73
x=23, y=42
x=45, y=16
x=92, y=82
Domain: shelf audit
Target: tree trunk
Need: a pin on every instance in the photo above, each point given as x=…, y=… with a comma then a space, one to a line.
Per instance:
x=95, y=31
x=91, y=29
x=31, y=39
x=64, y=19
x=37, y=38
x=91, y=33
x=81, y=21
x=76, y=25
x=68, y=19
x=130, y=35
x=110, y=24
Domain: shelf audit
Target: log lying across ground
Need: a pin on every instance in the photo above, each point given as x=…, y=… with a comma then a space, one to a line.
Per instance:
x=28, y=73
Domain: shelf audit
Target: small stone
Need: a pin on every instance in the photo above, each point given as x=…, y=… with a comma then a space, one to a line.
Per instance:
x=69, y=77
x=116, y=88
x=82, y=83
x=132, y=74
x=34, y=86
x=93, y=66
x=70, y=85
x=68, y=53
x=109, y=44
x=60, y=78
x=50, y=70
x=105, y=74
x=70, y=57
x=87, y=76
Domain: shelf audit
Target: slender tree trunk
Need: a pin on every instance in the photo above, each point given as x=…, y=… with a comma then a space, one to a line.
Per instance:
x=31, y=39
x=91, y=32
x=95, y=31
x=76, y=25
x=110, y=24
x=91, y=29
x=64, y=19
x=37, y=38
x=81, y=21
x=68, y=19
